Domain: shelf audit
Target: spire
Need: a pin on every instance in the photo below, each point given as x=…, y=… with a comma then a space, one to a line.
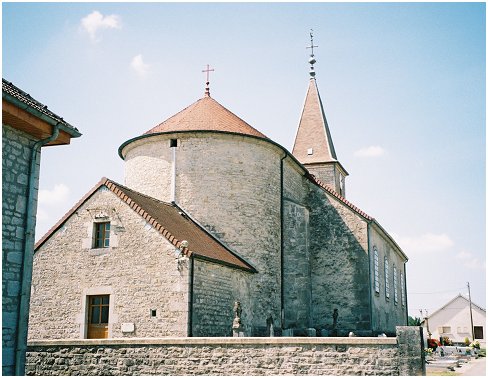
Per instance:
x=207, y=88
x=313, y=142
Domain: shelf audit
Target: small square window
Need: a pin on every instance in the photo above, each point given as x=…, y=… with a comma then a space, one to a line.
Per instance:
x=173, y=142
x=310, y=151
x=153, y=313
x=101, y=235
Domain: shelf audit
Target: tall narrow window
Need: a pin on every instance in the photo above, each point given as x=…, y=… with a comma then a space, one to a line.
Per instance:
x=101, y=235
x=387, y=279
x=98, y=306
x=376, y=271
x=402, y=288
x=395, y=285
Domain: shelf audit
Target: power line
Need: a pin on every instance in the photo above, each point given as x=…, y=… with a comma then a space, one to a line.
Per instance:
x=439, y=292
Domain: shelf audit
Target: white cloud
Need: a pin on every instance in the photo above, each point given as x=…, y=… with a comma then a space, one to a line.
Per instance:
x=56, y=196
x=470, y=261
x=371, y=151
x=425, y=243
x=141, y=68
x=96, y=21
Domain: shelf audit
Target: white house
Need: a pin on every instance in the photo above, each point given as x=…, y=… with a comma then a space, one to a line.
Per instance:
x=453, y=320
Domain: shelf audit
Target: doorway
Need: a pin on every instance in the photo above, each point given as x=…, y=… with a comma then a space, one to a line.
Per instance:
x=98, y=306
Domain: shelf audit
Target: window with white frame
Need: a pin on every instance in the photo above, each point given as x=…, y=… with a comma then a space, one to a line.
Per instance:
x=387, y=279
x=395, y=285
x=376, y=271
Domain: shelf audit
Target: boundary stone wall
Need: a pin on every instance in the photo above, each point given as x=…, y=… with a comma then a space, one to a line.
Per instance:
x=402, y=355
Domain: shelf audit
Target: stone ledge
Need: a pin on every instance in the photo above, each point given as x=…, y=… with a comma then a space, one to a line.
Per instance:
x=210, y=341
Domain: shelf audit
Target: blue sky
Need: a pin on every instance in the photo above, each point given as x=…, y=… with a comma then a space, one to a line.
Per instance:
x=403, y=86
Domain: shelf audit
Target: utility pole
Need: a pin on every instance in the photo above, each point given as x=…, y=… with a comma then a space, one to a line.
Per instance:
x=471, y=312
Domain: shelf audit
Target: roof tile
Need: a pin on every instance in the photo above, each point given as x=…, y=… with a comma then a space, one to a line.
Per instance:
x=167, y=219
x=206, y=114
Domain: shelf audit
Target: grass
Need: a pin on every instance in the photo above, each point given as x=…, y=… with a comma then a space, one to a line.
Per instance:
x=442, y=373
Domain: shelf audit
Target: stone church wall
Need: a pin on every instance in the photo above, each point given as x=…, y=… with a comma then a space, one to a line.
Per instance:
x=231, y=185
x=402, y=356
x=340, y=273
x=215, y=289
x=386, y=312
x=16, y=155
x=297, y=288
x=148, y=165
x=138, y=271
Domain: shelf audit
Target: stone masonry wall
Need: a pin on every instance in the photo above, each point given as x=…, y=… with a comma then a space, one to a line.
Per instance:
x=340, y=273
x=230, y=356
x=16, y=155
x=138, y=271
x=231, y=185
x=387, y=313
x=215, y=289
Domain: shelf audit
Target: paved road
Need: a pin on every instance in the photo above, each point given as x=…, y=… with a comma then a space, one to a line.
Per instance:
x=475, y=368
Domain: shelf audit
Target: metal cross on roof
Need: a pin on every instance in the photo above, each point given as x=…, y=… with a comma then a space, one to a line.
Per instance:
x=208, y=70
x=311, y=41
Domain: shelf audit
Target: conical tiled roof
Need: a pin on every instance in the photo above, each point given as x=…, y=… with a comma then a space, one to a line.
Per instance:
x=206, y=114
x=313, y=143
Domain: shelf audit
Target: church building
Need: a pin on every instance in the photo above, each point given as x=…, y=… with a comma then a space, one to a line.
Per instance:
x=213, y=212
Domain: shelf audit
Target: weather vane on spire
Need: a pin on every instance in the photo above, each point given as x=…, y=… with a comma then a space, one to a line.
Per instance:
x=311, y=60
x=207, y=88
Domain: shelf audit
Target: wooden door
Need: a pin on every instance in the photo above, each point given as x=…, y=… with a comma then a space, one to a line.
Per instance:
x=98, y=306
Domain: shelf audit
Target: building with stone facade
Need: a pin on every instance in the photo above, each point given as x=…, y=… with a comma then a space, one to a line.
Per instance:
x=27, y=125
x=212, y=212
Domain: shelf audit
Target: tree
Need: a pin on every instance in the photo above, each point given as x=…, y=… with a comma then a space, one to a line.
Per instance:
x=414, y=321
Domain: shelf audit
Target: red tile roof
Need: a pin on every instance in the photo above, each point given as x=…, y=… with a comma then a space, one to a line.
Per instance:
x=206, y=114
x=169, y=220
x=329, y=190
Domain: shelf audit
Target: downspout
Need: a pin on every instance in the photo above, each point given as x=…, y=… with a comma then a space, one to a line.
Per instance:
x=370, y=282
x=282, y=210
x=23, y=319
x=173, y=175
x=190, y=296
x=404, y=283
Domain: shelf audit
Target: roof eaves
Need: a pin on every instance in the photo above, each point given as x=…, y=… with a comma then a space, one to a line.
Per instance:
x=250, y=267
x=23, y=100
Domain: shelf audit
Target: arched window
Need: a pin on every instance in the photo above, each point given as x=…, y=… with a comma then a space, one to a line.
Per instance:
x=402, y=288
x=376, y=271
x=395, y=285
x=387, y=279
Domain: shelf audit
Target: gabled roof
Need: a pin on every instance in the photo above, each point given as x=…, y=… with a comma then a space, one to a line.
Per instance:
x=313, y=131
x=205, y=114
x=452, y=300
x=170, y=221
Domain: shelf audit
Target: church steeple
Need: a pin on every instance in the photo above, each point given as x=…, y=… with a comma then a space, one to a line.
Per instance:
x=313, y=143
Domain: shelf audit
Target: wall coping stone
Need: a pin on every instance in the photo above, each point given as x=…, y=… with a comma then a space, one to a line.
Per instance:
x=219, y=341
